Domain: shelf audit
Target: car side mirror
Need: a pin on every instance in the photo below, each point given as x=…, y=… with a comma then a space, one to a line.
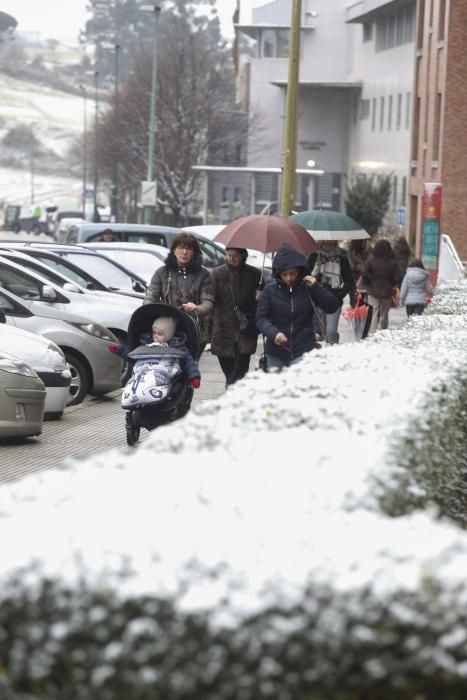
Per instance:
x=70, y=287
x=48, y=293
x=2, y=317
x=138, y=287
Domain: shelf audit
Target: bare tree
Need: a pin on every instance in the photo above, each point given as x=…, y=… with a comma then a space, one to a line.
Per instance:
x=195, y=95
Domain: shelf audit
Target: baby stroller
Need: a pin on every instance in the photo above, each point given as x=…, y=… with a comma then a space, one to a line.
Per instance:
x=157, y=408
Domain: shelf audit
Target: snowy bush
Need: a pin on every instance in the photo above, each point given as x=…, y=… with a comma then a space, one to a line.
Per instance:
x=300, y=538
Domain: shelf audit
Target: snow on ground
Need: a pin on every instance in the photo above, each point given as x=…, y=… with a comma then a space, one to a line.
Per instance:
x=274, y=484
x=16, y=187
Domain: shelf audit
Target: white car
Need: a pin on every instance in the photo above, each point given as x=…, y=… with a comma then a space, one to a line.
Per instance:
x=140, y=258
x=46, y=358
x=30, y=286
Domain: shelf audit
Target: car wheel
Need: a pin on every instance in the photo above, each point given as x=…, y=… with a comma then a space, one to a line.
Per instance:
x=79, y=380
x=36, y=229
x=53, y=415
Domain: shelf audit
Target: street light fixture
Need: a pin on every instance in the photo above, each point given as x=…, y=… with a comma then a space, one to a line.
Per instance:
x=149, y=190
x=96, y=216
x=85, y=147
x=114, y=203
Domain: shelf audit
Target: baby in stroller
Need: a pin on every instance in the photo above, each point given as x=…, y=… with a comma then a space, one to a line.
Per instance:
x=163, y=377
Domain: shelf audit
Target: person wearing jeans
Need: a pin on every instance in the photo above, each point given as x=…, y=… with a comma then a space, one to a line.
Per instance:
x=379, y=277
x=330, y=266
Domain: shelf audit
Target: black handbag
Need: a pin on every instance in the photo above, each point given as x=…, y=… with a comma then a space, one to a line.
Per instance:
x=246, y=321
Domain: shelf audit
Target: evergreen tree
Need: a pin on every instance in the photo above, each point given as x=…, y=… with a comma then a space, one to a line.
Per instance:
x=367, y=201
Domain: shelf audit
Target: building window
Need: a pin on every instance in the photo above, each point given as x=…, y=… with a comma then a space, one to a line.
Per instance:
x=367, y=31
x=225, y=194
x=394, y=191
x=237, y=194
x=390, y=112
x=441, y=19
x=275, y=43
x=364, y=109
x=408, y=102
x=396, y=28
x=404, y=191
x=437, y=127
x=399, y=111
x=381, y=114
x=373, y=114
x=238, y=154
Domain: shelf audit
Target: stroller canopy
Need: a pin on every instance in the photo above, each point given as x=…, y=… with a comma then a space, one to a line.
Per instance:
x=143, y=317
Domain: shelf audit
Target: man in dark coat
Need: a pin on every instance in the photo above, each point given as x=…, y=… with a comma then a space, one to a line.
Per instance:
x=287, y=306
x=236, y=286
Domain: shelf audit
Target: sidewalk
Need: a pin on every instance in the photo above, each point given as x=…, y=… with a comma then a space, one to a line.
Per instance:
x=98, y=424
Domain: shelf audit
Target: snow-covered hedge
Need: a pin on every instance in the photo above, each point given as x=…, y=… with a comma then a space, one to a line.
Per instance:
x=301, y=538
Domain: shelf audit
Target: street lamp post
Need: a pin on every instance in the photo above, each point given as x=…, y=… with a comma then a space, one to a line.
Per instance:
x=150, y=184
x=96, y=216
x=114, y=203
x=85, y=147
x=291, y=114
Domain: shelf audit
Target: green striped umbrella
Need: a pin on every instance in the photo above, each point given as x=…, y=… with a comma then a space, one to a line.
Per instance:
x=327, y=225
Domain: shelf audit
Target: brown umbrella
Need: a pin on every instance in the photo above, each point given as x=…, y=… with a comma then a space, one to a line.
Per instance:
x=266, y=234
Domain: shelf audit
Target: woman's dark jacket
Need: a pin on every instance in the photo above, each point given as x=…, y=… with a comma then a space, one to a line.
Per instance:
x=289, y=309
x=234, y=286
x=347, y=279
x=176, y=285
x=380, y=274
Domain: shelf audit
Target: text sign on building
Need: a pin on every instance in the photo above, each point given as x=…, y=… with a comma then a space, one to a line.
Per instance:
x=431, y=226
x=401, y=216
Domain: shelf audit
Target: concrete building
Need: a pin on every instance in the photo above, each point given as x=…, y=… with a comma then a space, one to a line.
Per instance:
x=355, y=94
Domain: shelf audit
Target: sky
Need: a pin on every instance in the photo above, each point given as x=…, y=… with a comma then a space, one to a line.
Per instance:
x=61, y=20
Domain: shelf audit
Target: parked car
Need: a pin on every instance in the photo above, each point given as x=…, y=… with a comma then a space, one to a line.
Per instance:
x=133, y=233
x=22, y=398
x=94, y=370
x=46, y=358
x=213, y=254
x=142, y=259
x=86, y=267
x=62, y=226
x=63, y=281
x=30, y=286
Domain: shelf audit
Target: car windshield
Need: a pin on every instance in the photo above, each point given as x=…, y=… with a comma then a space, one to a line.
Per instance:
x=140, y=262
x=73, y=275
x=104, y=270
x=41, y=270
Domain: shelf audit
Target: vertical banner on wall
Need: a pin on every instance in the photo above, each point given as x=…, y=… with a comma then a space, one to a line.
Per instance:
x=431, y=227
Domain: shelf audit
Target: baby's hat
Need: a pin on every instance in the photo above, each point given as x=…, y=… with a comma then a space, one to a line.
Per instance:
x=167, y=325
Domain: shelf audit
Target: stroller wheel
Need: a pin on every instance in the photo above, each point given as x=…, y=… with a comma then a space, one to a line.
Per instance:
x=132, y=428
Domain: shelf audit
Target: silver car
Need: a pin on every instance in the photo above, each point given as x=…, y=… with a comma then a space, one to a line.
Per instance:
x=22, y=399
x=47, y=360
x=94, y=370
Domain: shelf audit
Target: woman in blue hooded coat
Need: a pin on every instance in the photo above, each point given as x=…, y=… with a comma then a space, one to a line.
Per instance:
x=286, y=308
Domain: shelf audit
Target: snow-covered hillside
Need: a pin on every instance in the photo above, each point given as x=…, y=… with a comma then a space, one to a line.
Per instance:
x=57, y=121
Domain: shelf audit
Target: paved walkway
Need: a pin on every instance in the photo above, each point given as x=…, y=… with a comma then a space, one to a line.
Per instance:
x=98, y=424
